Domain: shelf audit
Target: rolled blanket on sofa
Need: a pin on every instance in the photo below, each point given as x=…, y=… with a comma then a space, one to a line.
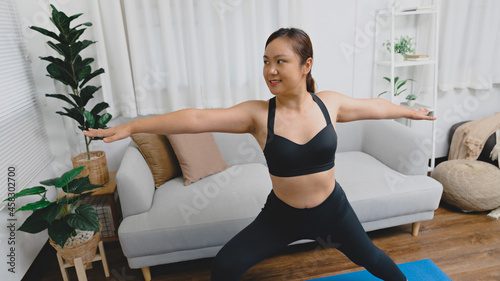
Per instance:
x=469, y=139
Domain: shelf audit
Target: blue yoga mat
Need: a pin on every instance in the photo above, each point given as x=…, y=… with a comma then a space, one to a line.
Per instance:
x=414, y=271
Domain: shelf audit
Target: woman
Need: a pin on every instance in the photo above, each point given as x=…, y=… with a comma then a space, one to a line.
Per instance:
x=296, y=130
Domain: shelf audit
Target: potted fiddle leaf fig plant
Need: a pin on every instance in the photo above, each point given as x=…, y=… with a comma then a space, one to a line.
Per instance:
x=75, y=72
x=66, y=218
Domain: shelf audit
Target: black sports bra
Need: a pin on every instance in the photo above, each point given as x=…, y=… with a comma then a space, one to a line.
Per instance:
x=286, y=158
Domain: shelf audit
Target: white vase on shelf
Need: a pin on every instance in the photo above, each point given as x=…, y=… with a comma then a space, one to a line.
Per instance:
x=398, y=57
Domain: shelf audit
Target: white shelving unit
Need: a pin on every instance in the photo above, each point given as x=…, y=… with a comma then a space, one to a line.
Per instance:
x=406, y=63
x=394, y=65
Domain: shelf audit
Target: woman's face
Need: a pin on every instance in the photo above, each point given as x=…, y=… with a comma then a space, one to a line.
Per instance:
x=282, y=69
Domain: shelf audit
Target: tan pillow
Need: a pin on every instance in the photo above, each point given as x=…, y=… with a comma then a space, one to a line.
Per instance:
x=159, y=155
x=198, y=155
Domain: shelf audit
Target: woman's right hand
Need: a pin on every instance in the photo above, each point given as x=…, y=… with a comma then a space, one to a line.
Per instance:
x=111, y=134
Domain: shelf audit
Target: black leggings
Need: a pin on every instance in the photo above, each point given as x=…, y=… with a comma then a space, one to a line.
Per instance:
x=280, y=224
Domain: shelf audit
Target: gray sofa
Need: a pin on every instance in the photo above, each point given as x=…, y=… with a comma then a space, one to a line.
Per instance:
x=381, y=165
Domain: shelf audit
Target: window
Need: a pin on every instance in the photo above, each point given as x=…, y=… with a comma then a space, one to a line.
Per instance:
x=24, y=145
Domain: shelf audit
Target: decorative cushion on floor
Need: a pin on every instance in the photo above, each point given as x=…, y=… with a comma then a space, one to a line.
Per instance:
x=469, y=185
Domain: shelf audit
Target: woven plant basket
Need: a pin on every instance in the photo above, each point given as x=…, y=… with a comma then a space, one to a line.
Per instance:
x=86, y=250
x=96, y=168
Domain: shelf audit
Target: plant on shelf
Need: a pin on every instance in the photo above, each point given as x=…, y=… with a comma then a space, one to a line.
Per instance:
x=74, y=71
x=404, y=45
x=411, y=99
x=398, y=84
x=65, y=215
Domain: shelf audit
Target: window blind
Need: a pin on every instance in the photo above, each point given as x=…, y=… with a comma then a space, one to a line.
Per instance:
x=24, y=144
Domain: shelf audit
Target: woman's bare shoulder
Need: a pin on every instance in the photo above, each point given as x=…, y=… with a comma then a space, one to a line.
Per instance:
x=331, y=98
x=257, y=103
x=329, y=95
x=257, y=109
x=255, y=106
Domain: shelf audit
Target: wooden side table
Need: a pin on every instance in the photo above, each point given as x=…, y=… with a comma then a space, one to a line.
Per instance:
x=109, y=191
x=101, y=196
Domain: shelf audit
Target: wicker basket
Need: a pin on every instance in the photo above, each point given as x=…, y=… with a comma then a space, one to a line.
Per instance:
x=86, y=250
x=96, y=168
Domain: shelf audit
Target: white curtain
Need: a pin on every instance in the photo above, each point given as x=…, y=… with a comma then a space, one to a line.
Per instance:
x=469, y=45
x=164, y=55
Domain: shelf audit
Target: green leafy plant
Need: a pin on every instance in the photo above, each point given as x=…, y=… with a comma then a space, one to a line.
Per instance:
x=64, y=215
x=411, y=97
x=403, y=45
x=74, y=71
x=398, y=84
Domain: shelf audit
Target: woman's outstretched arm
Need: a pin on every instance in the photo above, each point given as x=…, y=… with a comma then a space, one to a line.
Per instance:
x=237, y=119
x=351, y=109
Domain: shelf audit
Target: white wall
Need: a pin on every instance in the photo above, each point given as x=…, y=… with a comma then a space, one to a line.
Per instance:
x=342, y=35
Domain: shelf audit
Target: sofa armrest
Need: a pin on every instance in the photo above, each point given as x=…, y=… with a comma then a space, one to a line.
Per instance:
x=400, y=147
x=135, y=183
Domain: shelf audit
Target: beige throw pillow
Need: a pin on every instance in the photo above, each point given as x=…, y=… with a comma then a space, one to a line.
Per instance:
x=198, y=155
x=159, y=155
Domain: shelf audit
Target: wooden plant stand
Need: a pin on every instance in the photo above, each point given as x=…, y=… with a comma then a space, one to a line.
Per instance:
x=80, y=267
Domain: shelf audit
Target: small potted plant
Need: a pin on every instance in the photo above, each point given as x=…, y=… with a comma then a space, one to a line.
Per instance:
x=403, y=46
x=75, y=72
x=398, y=85
x=66, y=218
x=411, y=99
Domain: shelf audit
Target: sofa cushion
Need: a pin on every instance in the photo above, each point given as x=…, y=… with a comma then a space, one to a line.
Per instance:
x=198, y=155
x=377, y=192
x=207, y=213
x=159, y=156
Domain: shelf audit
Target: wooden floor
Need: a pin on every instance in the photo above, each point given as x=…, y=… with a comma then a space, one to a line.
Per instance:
x=464, y=246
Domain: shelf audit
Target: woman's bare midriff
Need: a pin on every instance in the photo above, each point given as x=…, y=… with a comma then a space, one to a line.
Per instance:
x=305, y=191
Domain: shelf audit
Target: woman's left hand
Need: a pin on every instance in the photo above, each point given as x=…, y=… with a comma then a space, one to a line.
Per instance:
x=422, y=114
